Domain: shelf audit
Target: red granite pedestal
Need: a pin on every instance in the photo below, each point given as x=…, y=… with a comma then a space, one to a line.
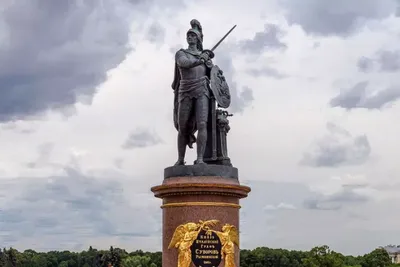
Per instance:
x=193, y=193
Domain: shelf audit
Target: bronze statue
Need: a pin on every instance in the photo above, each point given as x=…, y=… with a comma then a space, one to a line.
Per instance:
x=198, y=84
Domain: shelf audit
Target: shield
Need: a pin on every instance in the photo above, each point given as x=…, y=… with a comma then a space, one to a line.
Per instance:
x=219, y=87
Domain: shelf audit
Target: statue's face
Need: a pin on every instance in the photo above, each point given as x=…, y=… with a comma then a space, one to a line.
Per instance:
x=191, y=38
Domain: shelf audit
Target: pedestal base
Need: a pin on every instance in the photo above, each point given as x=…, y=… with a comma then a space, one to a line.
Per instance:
x=199, y=192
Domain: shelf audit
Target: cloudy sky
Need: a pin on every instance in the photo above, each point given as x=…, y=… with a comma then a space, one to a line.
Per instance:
x=86, y=119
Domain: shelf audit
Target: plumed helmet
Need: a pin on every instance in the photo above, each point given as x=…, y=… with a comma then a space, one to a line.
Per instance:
x=198, y=30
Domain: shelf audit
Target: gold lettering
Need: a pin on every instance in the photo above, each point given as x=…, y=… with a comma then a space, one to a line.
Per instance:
x=207, y=242
x=206, y=257
x=207, y=251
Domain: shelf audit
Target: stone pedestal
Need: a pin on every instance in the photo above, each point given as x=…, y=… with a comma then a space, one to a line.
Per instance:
x=198, y=192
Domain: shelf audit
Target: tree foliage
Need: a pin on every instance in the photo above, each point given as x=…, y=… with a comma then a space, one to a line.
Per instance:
x=321, y=256
x=377, y=258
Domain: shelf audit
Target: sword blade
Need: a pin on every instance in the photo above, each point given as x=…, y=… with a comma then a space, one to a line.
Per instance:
x=223, y=38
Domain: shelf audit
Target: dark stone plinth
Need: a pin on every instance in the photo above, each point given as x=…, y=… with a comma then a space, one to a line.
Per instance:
x=201, y=170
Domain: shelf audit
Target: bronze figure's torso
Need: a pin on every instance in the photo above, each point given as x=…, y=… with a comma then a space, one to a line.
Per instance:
x=194, y=83
x=195, y=72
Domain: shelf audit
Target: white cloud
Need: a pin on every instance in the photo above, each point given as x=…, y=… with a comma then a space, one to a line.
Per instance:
x=280, y=206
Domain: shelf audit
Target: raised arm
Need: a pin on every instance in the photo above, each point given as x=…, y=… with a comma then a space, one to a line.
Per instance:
x=183, y=61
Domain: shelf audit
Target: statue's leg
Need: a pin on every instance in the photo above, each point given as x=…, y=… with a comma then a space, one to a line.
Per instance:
x=202, y=104
x=184, y=109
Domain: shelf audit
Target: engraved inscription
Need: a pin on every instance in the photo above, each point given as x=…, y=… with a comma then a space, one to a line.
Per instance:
x=206, y=249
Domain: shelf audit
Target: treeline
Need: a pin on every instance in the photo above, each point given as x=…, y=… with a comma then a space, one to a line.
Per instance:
x=259, y=257
x=321, y=256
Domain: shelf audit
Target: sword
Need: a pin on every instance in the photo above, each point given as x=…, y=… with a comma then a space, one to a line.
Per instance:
x=222, y=39
x=210, y=52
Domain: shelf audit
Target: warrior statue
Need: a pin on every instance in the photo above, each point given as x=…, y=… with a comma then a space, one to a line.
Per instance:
x=194, y=96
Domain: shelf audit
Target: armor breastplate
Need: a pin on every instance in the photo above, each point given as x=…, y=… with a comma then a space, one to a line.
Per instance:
x=193, y=73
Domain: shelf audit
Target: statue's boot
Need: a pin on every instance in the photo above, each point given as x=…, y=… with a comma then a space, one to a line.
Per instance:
x=179, y=162
x=199, y=161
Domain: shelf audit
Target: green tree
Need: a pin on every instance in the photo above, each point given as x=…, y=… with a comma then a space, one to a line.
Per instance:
x=39, y=260
x=156, y=258
x=377, y=258
x=351, y=261
x=248, y=259
x=258, y=257
x=12, y=257
x=323, y=257
x=3, y=257
x=138, y=261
